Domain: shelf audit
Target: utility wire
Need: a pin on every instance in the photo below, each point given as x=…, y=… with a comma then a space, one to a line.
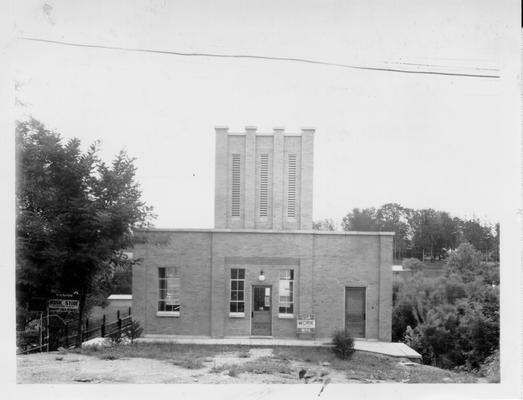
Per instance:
x=266, y=58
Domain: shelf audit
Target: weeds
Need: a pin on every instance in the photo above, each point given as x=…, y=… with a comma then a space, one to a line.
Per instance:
x=267, y=365
x=189, y=363
x=108, y=357
x=244, y=354
x=264, y=365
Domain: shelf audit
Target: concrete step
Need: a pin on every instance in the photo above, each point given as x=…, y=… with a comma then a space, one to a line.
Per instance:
x=372, y=346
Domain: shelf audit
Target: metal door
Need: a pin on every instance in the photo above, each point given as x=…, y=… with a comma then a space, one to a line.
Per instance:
x=261, y=311
x=355, y=311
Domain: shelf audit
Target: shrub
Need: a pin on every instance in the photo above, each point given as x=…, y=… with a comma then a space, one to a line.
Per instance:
x=133, y=331
x=414, y=265
x=402, y=317
x=116, y=337
x=452, y=321
x=490, y=368
x=343, y=344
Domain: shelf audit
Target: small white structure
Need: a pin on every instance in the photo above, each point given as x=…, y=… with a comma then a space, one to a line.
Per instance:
x=120, y=297
x=398, y=270
x=116, y=302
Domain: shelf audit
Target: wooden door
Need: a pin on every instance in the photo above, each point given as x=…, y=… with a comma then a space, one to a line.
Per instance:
x=261, y=311
x=355, y=311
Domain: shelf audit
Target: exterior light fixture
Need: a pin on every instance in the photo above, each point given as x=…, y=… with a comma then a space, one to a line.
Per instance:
x=261, y=278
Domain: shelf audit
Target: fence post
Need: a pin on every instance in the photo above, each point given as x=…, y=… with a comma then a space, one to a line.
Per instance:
x=129, y=313
x=47, y=332
x=41, y=331
x=119, y=322
x=66, y=335
x=86, y=332
x=103, y=326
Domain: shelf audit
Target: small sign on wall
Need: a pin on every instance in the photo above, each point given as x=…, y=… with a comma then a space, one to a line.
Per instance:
x=64, y=305
x=306, y=323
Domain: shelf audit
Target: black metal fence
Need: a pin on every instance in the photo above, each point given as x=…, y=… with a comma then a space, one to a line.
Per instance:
x=58, y=332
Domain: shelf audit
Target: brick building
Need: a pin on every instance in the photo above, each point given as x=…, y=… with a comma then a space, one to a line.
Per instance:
x=262, y=270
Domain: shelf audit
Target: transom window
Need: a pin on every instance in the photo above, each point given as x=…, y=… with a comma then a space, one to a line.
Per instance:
x=286, y=292
x=237, y=303
x=169, y=290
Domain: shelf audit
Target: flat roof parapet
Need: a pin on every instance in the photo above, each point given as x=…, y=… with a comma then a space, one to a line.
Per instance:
x=277, y=130
x=269, y=231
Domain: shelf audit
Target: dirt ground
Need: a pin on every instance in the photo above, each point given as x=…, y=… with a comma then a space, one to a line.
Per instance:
x=255, y=365
x=55, y=367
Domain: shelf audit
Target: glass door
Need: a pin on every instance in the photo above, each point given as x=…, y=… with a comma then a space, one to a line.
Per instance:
x=261, y=311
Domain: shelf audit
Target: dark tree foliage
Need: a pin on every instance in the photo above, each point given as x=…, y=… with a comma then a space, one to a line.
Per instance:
x=390, y=217
x=426, y=233
x=75, y=214
x=452, y=321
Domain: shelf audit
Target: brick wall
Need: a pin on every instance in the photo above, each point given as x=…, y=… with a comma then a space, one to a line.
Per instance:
x=352, y=261
x=324, y=264
x=278, y=146
x=191, y=253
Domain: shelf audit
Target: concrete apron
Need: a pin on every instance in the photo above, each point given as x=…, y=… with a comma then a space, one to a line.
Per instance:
x=371, y=346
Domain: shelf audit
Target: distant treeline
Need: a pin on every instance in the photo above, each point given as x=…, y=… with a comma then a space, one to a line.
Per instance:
x=423, y=234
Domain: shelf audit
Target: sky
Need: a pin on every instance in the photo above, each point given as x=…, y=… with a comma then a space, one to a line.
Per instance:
x=421, y=140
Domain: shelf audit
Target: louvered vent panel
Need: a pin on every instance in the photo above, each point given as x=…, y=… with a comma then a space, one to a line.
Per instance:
x=235, y=210
x=264, y=184
x=291, y=190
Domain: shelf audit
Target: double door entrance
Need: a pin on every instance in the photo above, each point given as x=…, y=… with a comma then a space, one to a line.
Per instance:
x=261, y=314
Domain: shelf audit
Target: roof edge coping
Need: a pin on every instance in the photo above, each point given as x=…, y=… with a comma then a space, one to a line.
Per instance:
x=295, y=232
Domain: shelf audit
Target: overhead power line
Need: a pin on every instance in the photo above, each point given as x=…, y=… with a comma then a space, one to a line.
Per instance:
x=493, y=73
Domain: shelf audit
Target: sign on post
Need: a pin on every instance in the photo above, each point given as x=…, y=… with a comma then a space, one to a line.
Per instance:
x=64, y=305
x=306, y=323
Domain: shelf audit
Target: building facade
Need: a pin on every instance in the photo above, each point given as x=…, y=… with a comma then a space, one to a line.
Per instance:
x=262, y=271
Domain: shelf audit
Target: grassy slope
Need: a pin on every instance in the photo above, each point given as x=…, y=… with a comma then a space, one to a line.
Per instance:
x=364, y=367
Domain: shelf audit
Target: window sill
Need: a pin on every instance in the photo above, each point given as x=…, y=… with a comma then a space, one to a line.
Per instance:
x=286, y=316
x=236, y=315
x=168, y=314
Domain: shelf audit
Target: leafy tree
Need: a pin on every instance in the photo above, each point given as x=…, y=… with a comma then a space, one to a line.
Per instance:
x=392, y=217
x=75, y=214
x=424, y=232
x=465, y=261
x=364, y=219
x=326, y=224
x=480, y=236
x=496, y=242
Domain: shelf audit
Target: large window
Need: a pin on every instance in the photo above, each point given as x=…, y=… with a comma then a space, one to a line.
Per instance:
x=286, y=293
x=169, y=291
x=237, y=303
